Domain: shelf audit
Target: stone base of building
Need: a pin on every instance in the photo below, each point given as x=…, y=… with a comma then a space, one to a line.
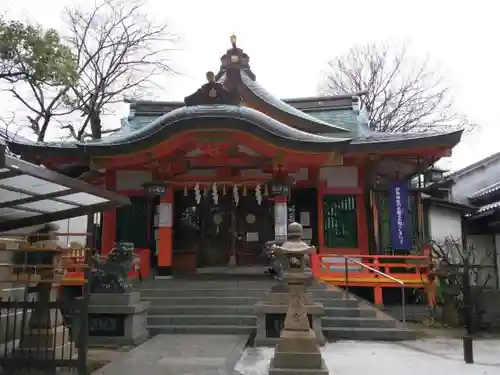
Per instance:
x=117, y=319
x=276, y=303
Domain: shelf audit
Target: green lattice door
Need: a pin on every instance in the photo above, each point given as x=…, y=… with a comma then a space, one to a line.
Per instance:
x=132, y=222
x=340, y=221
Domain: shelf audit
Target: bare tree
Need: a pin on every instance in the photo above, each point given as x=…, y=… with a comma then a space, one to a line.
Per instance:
x=44, y=103
x=402, y=93
x=119, y=50
x=8, y=129
x=465, y=271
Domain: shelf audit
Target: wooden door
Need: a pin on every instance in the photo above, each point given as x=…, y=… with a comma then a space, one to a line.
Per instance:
x=255, y=226
x=217, y=231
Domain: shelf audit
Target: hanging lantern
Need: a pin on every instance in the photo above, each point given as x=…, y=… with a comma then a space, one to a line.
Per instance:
x=281, y=186
x=155, y=188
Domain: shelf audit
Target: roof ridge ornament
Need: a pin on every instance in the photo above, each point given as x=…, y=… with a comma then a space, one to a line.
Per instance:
x=234, y=61
x=211, y=92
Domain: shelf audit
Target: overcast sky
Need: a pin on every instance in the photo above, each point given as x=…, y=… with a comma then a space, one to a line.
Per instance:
x=290, y=42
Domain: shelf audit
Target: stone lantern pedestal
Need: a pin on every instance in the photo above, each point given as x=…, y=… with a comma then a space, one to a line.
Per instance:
x=297, y=352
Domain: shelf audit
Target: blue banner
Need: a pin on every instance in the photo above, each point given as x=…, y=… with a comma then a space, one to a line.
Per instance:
x=400, y=215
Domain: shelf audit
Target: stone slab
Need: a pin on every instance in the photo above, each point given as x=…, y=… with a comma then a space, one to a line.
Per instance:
x=115, y=299
x=180, y=354
x=116, y=309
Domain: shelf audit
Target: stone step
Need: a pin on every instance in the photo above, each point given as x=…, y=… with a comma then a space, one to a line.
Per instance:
x=146, y=293
x=360, y=322
x=218, y=320
x=349, y=312
x=200, y=301
x=219, y=309
x=202, y=310
x=210, y=284
x=323, y=294
x=227, y=292
x=248, y=320
x=201, y=329
x=234, y=300
x=337, y=302
x=368, y=334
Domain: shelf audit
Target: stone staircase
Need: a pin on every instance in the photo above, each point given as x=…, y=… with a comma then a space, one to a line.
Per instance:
x=227, y=307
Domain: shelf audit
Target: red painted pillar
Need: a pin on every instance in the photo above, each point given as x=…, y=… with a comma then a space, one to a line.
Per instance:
x=321, y=223
x=361, y=215
x=108, y=237
x=164, y=240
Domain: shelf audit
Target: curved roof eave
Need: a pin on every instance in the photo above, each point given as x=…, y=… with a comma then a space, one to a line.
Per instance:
x=217, y=117
x=389, y=141
x=258, y=91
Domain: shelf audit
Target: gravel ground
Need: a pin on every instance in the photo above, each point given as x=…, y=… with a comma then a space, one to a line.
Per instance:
x=430, y=356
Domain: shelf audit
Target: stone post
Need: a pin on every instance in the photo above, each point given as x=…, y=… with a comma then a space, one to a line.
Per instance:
x=297, y=351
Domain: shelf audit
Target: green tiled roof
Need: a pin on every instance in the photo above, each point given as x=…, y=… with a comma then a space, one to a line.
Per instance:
x=138, y=122
x=345, y=118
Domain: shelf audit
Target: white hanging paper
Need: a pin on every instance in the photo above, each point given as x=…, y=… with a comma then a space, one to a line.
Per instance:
x=305, y=219
x=165, y=215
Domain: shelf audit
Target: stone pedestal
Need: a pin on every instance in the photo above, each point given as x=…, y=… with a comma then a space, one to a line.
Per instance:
x=272, y=311
x=297, y=352
x=117, y=319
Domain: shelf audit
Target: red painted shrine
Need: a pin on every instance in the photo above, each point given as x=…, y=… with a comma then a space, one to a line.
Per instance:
x=238, y=164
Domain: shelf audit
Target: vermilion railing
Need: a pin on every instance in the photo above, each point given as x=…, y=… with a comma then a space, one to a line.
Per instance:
x=338, y=270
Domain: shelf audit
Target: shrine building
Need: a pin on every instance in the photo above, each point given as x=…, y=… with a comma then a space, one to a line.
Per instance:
x=215, y=177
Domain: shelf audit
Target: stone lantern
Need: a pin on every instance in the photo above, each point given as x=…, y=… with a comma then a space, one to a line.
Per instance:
x=297, y=351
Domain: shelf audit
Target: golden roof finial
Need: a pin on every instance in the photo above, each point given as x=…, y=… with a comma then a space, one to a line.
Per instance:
x=233, y=40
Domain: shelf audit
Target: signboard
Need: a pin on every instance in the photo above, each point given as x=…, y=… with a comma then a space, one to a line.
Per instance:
x=399, y=215
x=107, y=325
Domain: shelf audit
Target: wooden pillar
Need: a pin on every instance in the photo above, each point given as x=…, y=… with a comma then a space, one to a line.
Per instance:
x=361, y=213
x=164, y=241
x=108, y=236
x=321, y=223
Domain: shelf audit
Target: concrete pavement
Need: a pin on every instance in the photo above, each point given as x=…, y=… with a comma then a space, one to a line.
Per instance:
x=180, y=355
